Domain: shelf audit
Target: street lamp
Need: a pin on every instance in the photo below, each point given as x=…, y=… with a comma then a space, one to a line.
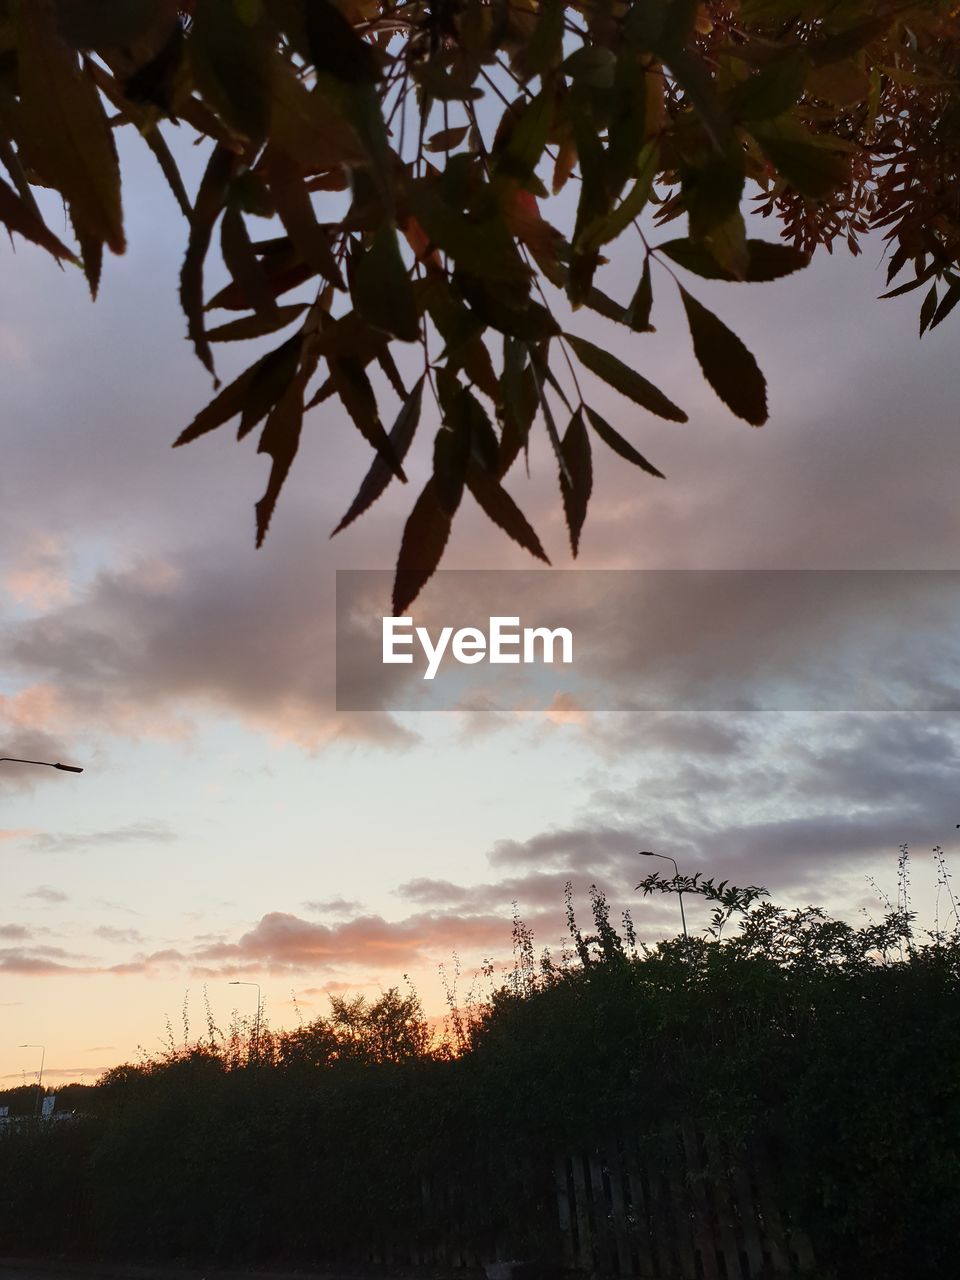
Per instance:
x=256, y=1034
x=646, y=853
x=66, y=768
x=43, y=1054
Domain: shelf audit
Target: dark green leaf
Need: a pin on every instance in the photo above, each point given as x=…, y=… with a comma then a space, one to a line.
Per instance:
x=775, y=88
x=726, y=363
x=813, y=164
x=625, y=380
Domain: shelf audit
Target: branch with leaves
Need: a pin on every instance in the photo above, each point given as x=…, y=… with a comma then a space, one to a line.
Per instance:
x=385, y=176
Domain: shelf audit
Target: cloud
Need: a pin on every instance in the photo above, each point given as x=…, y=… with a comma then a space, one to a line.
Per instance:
x=23, y=735
x=109, y=934
x=41, y=961
x=15, y=932
x=16, y=833
x=39, y=575
x=47, y=893
x=135, y=833
x=146, y=648
x=334, y=906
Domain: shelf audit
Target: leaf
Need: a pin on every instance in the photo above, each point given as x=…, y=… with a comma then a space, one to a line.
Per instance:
x=726, y=363
x=840, y=83
x=638, y=313
x=451, y=453
x=234, y=62
x=63, y=130
x=425, y=535
x=256, y=326
x=238, y=395
x=381, y=288
x=577, y=488
x=355, y=391
x=168, y=167
x=240, y=259
x=280, y=440
x=765, y=260
x=625, y=380
x=286, y=181
x=496, y=503
x=91, y=24
x=544, y=48
x=18, y=216
x=928, y=309
x=482, y=246
x=813, y=164
x=446, y=139
x=91, y=255
x=617, y=443
x=772, y=90
x=206, y=211
x=309, y=126
x=335, y=47
x=607, y=228
x=950, y=300
x=527, y=138
x=380, y=474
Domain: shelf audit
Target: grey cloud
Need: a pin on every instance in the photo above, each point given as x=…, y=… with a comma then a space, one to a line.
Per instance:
x=334, y=906
x=47, y=893
x=135, y=833
x=15, y=932
x=109, y=934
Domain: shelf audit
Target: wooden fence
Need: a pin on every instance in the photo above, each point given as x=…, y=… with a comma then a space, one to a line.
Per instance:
x=676, y=1205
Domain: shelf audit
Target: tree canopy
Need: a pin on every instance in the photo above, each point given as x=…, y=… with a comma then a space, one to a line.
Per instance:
x=409, y=196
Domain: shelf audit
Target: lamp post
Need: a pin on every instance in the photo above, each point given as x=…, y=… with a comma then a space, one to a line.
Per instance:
x=256, y=1034
x=646, y=853
x=43, y=1054
x=65, y=768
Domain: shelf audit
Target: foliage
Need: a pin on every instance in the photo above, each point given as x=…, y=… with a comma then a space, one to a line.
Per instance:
x=839, y=1044
x=443, y=179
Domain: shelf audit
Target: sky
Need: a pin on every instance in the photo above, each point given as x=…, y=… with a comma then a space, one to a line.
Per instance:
x=232, y=824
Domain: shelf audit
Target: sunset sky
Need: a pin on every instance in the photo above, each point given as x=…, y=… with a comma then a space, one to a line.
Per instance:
x=231, y=824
